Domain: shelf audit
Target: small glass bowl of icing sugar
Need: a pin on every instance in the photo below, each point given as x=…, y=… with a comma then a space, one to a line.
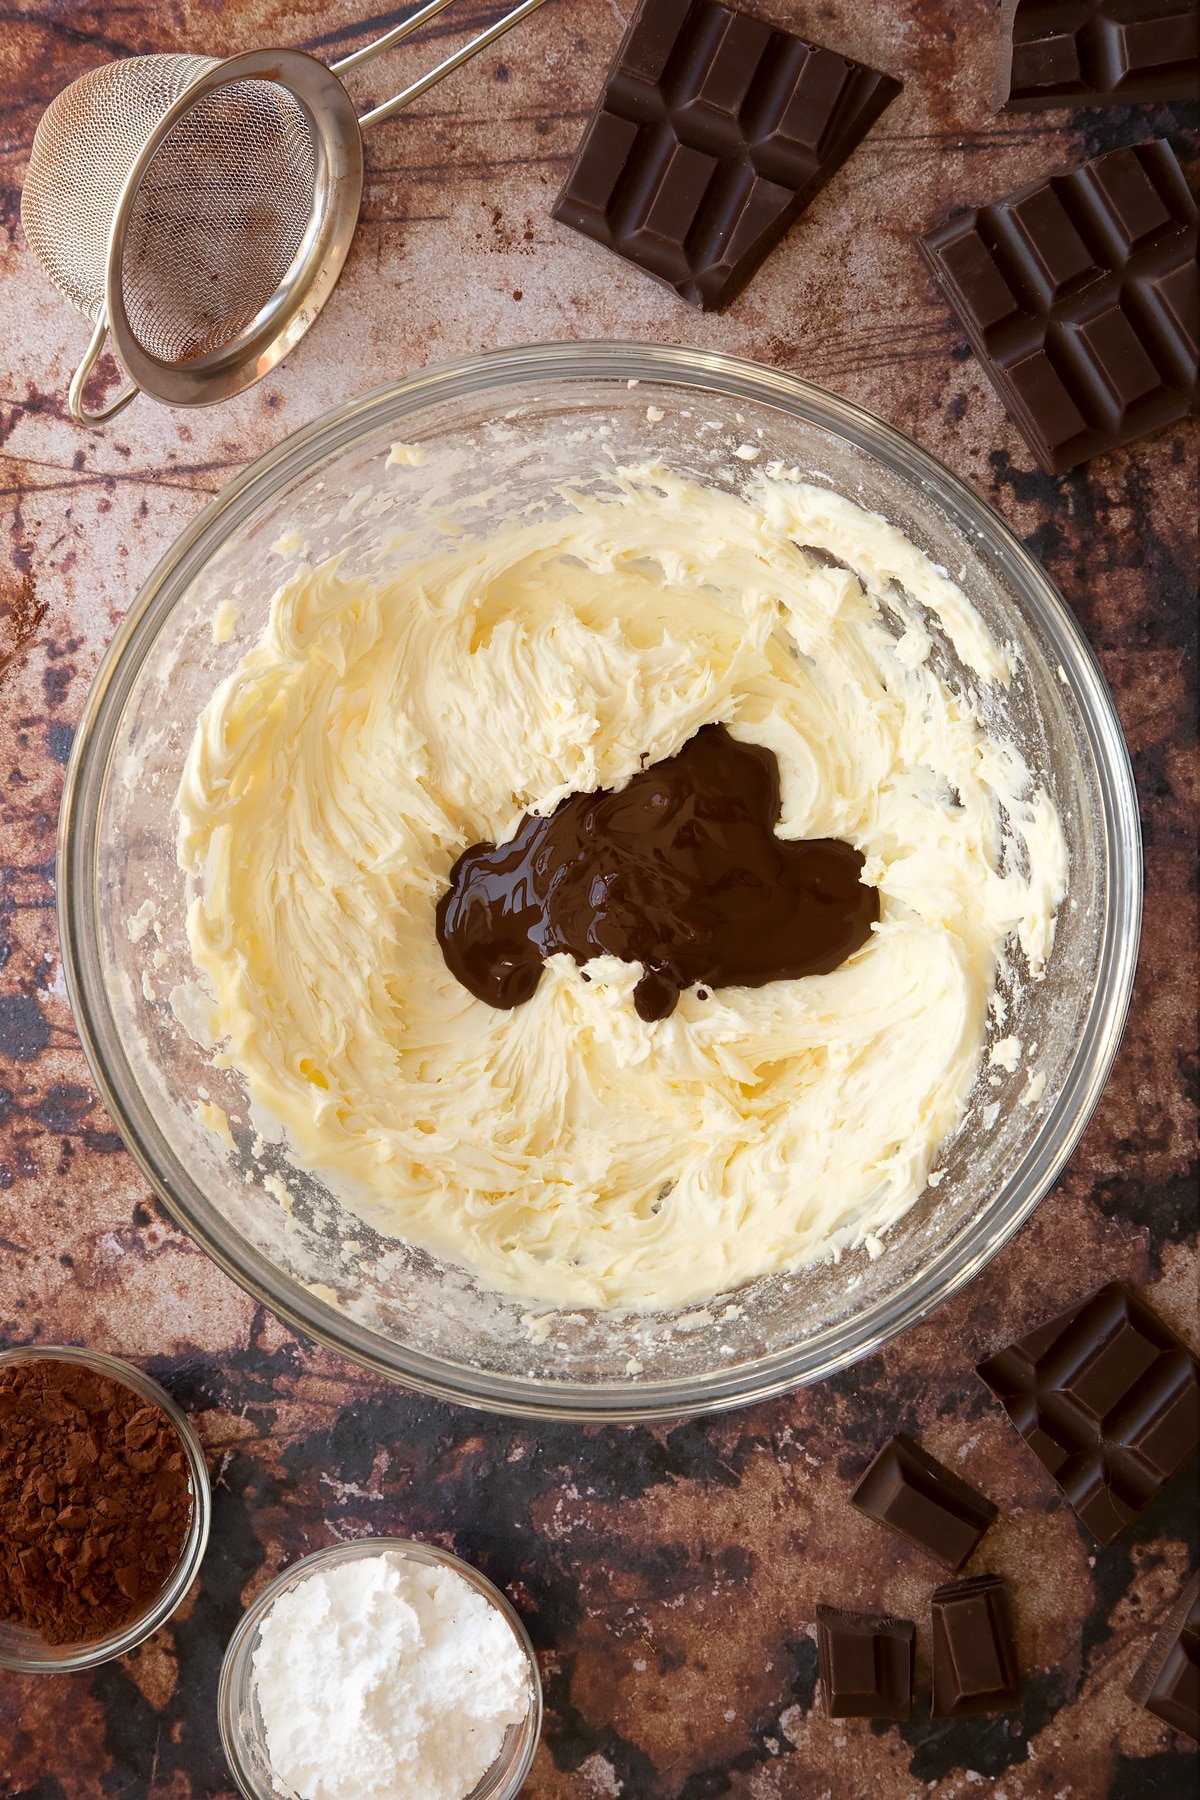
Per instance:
x=380, y=1670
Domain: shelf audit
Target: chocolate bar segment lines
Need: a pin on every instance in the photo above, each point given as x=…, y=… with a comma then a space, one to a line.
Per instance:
x=1168, y=1682
x=714, y=132
x=1097, y=53
x=1079, y=296
x=1108, y=1398
x=866, y=1664
x=974, y=1649
x=935, y=1509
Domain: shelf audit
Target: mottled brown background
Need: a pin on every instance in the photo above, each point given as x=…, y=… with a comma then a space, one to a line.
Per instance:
x=669, y=1575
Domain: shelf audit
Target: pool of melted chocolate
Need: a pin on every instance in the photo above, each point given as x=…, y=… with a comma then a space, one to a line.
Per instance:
x=680, y=870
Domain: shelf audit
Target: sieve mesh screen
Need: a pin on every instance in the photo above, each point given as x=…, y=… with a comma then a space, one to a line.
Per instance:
x=86, y=142
x=219, y=215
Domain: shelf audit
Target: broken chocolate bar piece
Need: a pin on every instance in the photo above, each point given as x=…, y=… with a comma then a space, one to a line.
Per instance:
x=1109, y=1399
x=1096, y=53
x=713, y=133
x=1168, y=1682
x=1079, y=296
x=866, y=1664
x=974, y=1649
x=927, y=1503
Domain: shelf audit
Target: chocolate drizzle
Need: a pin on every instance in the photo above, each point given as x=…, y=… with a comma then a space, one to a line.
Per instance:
x=680, y=870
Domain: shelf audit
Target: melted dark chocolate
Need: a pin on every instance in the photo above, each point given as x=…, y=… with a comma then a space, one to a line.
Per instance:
x=681, y=870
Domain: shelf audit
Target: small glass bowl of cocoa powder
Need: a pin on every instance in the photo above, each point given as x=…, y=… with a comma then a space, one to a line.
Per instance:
x=104, y=1508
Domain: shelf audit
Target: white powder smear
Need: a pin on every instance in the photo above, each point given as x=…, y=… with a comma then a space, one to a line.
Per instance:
x=1006, y=1054
x=386, y=1679
x=224, y=622
x=141, y=921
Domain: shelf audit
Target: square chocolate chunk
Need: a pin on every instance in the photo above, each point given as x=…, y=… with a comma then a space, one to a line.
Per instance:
x=974, y=1649
x=1079, y=295
x=713, y=133
x=866, y=1663
x=1168, y=1682
x=1096, y=53
x=927, y=1503
x=1109, y=1399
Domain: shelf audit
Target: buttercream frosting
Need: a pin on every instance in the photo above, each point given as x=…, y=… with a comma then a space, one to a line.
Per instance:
x=567, y=1151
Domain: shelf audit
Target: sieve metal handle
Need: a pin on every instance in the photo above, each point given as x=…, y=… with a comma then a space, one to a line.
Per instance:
x=396, y=35
x=422, y=86
x=91, y=357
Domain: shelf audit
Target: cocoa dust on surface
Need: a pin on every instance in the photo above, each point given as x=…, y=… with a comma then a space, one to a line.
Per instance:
x=21, y=612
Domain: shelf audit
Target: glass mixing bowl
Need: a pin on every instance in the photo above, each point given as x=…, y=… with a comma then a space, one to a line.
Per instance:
x=518, y=423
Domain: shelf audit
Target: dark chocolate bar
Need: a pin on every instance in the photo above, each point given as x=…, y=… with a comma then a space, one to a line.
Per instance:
x=1109, y=1399
x=974, y=1649
x=1079, y=296
x=909, y=1490
x=1168, y=1682
x=713, y=133
x=1096, y=53
x=866, y=1663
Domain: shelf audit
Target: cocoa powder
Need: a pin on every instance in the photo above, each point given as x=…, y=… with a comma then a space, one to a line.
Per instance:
x=95, y=1500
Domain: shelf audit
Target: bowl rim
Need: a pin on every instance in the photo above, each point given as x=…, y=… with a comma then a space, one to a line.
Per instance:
x=957, y=1260
x=233, y=1681
x=66, y=1659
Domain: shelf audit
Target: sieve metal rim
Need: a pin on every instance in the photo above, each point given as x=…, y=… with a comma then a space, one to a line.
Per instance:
x=337, y=142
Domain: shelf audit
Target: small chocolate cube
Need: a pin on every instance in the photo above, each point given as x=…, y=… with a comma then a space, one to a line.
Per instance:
x=866, y=1662
x=974, y=1649
x=1168, y=1682
x=927, y=1503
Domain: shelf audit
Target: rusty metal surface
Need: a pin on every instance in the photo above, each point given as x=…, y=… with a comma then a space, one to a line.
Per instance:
x=669, y=1575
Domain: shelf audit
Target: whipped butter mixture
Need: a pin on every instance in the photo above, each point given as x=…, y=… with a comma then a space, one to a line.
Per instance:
x=568, y=1150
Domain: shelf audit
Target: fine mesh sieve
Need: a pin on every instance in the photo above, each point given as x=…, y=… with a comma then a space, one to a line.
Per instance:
x=217, y=219
x=200, y=210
